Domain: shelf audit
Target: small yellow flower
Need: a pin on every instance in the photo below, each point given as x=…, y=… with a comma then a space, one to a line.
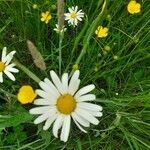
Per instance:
x=34, y=6
x=46, y=17
x=26, y=94
x=134, y=7
x=101, y=32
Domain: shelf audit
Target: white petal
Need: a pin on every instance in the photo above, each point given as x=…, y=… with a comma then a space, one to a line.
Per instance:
x=9, y=75
x=74, y=83
x=70, y=10
x=76, y=8
x=84, y=90
x=51, y=86
x=11, y=65
x=41, y=118
x=86, y=115
x=56, y=81
x=10, y=69
x=4, y=54
x=46, y=96
x=87, y=97
x=72, y=21
x=49, y=121
x=57, y=125
x=89, y=106
x=65, y=82
x=79, y=126
x=65, y=128
x=41, y=101
x=1, y=77
x=96, y=113
x=80, y=120
x=9, y=57
x=79, y=18
x=48, y=89
x=75, y=21
x=40, y=110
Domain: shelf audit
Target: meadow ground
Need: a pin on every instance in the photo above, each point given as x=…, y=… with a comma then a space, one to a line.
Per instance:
x=118, y=65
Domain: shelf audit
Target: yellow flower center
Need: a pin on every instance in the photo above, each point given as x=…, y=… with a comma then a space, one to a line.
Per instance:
x=66, y=104
x=73, y=15
x=26, y=94
x=2, y=66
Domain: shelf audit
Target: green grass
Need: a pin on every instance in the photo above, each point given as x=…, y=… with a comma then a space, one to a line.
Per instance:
x=125, y=122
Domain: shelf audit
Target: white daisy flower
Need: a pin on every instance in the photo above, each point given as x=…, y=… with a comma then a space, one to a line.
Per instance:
x=58, y=30
x=74, y=15
x=6, y=67
x=62, y=100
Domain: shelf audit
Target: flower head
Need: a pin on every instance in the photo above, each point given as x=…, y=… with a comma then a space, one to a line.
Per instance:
x=6, y=67
x=46, y=17
x=101, y=32
x=134, y=7
x=26, y=94
x=61, y=100
x=58, y=30
x=74, y=15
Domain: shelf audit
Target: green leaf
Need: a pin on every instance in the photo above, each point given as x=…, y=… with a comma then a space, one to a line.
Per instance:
x=15, y=120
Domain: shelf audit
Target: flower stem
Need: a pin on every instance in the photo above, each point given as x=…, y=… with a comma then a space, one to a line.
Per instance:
x=27, y=71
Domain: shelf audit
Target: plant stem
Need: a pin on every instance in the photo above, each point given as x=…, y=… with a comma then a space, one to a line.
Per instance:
x=60, y=53
x=27, y=71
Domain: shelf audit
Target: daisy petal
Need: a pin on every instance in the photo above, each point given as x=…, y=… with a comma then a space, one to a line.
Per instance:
x=40, y=110
x=10, y=69
x=74, y=83
x=89, y=106
x=86, y=115
x=79, y=126
x=49, y=121
x=47, y=89
x=96, y=113
x=70, y=10
x=9, y=57
x=1, y=77
x=65, y=128
x=51, y=86
x=65, y=82
x=10, y=75
x=4, y=54
x=57, y=81
x=41, y=118
x=57, y=125
x=80, y=120
x=88, y=97
x=41, y=101
x=84, y=90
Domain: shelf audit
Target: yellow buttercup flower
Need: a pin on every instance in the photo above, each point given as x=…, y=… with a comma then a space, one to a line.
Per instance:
x=46, y=17
x=26, y=94
x=101, y=32
x=134, y=7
